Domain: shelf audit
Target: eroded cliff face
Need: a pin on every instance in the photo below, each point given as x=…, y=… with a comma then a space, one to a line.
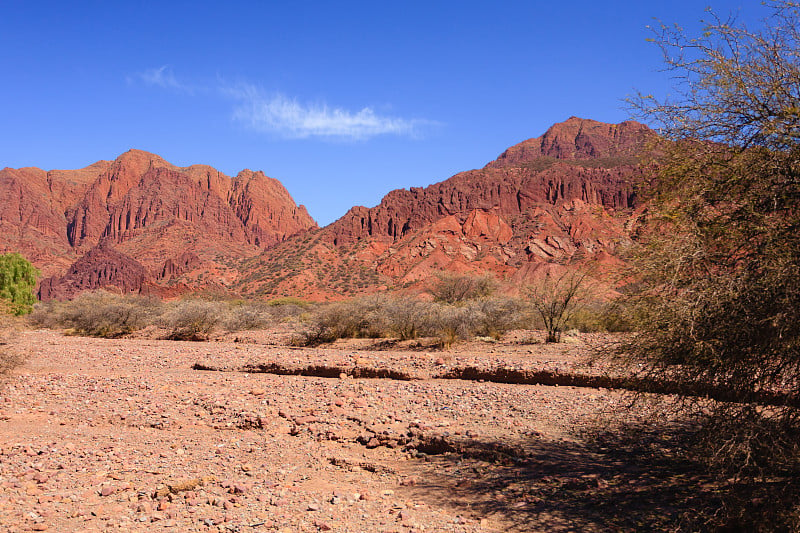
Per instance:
x=576, y=160
x=147, y=210
x=564, y=197
x=250, y=193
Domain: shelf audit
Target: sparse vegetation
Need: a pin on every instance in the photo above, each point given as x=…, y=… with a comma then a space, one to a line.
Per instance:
x=719, y=256
x=403, y=318
x=242, y=316
x=191, y=320
x=98, y=314
x=452, y=288
x=104, y=314
x=9, y=357
x=451, y=323
x=497, y=315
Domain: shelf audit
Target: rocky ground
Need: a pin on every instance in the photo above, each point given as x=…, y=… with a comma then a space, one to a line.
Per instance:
x=149, y=435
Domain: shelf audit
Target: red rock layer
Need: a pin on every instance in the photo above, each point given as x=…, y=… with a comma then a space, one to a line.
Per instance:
x=578, y=138
x=548, y=169
x=151, y=210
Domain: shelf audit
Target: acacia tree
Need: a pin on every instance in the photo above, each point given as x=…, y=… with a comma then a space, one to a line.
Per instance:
x=719, y=254
x=555, y=298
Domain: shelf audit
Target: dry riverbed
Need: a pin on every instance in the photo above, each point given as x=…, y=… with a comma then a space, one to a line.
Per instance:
x=149, y=435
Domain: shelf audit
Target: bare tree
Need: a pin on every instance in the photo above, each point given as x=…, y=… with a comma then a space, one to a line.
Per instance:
x=719, y=254
x=452, y=288
x=555, y=298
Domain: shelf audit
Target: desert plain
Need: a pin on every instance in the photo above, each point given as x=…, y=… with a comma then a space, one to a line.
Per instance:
x=249, y=433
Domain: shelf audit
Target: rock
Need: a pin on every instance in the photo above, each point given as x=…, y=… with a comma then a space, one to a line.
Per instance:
x=239, y=488
x=177, y=266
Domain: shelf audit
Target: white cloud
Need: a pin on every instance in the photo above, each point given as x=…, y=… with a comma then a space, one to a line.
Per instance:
x=288, y=118
x=285, y=117
x=163, y=77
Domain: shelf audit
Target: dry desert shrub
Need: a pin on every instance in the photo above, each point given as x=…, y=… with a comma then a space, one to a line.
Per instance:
x=338, y=320
x=451, y=288
x=374, y=316
x=403, y=318
x=192, y=320
x=407, y=317
x=104, y=314
x=288, y=308
x=243, y=316
x=600, y=316
x=497, y=315
x=717, y=257
x=98, y=314
x=450, y=323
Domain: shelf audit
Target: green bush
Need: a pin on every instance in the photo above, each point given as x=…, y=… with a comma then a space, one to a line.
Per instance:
x=17, y=282
x=289, y=300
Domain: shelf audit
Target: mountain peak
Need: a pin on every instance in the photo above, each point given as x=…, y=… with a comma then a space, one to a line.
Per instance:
x=141, y=160
x=578, y=138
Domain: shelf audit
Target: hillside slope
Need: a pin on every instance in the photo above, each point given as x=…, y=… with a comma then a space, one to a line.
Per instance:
x=564, y=197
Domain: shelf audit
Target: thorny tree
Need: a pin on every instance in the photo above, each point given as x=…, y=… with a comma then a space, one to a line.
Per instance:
x=556, y=299
x=719, y=254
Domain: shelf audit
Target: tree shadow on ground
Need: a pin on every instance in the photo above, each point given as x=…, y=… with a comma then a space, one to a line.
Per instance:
x=610, y=481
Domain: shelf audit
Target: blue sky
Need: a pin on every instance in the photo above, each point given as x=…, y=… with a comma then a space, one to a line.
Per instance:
x=340, y=101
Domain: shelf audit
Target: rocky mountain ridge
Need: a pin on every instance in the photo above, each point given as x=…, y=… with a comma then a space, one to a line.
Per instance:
x=562, y=198
x=146, y=210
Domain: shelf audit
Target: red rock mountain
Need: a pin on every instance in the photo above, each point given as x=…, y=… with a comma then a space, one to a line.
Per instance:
x=142, y=210
x=562, y=197
x=140, y=224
